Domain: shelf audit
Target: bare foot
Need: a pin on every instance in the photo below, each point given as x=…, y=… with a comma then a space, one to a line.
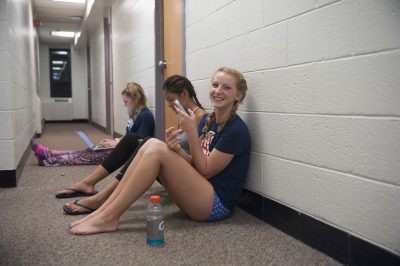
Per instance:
x=73, y=224
x=77, y=187
x=94, y=225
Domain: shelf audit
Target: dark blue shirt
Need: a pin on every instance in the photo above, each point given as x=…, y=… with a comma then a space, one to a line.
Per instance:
x=234, y=139
x=142, y=124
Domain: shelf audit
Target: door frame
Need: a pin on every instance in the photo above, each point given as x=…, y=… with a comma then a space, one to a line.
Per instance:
x=159, y=73
x=159, y=56
x=107, y=76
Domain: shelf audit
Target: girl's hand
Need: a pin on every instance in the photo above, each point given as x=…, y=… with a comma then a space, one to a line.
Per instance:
x=172, y=139
x=108, y=143
x=187, y=122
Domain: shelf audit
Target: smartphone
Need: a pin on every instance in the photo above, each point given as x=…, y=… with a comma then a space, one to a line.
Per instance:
x=179, y=105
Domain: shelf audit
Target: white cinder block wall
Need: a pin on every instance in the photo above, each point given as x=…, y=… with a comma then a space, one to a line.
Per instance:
x=18, y=80
x=97, y=66
x=323, y=104
x=133, y=53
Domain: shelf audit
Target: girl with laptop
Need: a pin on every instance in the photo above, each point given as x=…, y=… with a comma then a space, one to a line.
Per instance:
x=141, y=122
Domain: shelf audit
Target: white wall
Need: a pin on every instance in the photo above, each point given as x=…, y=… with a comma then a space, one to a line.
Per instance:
x=77, y=106
x=18, y=80
x=44, y=88
x=323, y=104
x=79, y=84
x=133, y=53
x=97, y=66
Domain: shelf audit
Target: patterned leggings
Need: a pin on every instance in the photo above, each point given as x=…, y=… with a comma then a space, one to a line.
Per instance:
x=71, y=157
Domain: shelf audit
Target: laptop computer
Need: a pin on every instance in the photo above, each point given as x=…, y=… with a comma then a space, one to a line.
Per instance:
x=90, y=143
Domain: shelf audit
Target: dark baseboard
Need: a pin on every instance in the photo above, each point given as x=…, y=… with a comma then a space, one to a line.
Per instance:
x=336, y=243
x=68, y=121
x=9, y=178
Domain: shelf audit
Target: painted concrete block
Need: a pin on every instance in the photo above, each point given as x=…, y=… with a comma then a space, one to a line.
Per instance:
x=4, y=35
x=244, y=16
x=279, y=10
x=367, y=85
x=376, y=25
x=266, y=48
x=6, y=98
x=322, y=34
x=6, y=160
x=198, y=10
x=6, y=130
x=364, y=207
x=288, y=182
x=199, y=64
x=254, y=180
x=4, y=66
x=209, y=31
x=366, y=147
x=4, y=12
x=286, y=90
x=202, y=88
x=320, y=3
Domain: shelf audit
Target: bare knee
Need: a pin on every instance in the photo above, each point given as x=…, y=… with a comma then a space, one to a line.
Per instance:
x=156, y=147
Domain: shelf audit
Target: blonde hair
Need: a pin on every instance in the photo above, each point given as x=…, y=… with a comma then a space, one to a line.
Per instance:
x=134, y=91
x=241, y=86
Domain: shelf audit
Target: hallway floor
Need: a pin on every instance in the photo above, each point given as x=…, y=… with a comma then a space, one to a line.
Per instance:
x=33, y=227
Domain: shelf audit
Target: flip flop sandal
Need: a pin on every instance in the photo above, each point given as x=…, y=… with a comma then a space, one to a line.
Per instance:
x=69, y=212
x=75, y=193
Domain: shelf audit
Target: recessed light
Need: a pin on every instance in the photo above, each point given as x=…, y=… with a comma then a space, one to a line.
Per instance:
x=65, y=34
x=76, y=18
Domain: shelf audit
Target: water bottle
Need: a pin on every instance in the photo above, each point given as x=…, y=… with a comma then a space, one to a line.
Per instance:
x=155, y=222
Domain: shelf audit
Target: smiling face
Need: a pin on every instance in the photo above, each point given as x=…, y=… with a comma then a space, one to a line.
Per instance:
x=224, y=93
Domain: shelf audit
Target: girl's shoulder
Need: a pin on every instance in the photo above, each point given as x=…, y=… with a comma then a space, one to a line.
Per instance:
x=145, y=112
x=237, y=127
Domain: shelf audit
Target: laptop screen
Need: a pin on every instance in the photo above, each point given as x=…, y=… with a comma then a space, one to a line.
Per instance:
x=85, y=138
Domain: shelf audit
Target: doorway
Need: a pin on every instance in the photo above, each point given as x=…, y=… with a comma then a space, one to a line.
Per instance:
x=169, y=59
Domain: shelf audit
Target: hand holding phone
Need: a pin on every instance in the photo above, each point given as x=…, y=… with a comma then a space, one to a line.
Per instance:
x=179, y=105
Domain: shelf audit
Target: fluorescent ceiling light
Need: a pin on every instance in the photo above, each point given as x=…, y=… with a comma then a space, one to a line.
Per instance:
x=58, y=62
x=65, y=34
x=56, y=68
x=60, y=52
x=76, y=18
x=71, y=1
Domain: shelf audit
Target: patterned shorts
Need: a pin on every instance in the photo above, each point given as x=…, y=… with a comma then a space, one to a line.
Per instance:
x=219, y=211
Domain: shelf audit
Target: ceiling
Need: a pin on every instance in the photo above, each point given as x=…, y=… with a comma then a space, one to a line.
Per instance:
x=56, y=16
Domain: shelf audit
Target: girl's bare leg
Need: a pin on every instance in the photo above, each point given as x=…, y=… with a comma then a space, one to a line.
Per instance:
x=96, y=200
x=118, y=188
x=87, y=184
x=192, y=192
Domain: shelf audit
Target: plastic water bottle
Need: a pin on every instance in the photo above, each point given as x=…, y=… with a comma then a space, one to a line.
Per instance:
x=155, y=222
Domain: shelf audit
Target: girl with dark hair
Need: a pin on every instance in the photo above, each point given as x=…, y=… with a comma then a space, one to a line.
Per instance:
x=175, y=88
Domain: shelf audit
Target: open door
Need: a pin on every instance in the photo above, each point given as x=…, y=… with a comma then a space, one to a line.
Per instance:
x=169, y=54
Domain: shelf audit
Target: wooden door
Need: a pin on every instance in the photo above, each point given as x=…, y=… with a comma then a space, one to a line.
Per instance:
x=173, y=48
